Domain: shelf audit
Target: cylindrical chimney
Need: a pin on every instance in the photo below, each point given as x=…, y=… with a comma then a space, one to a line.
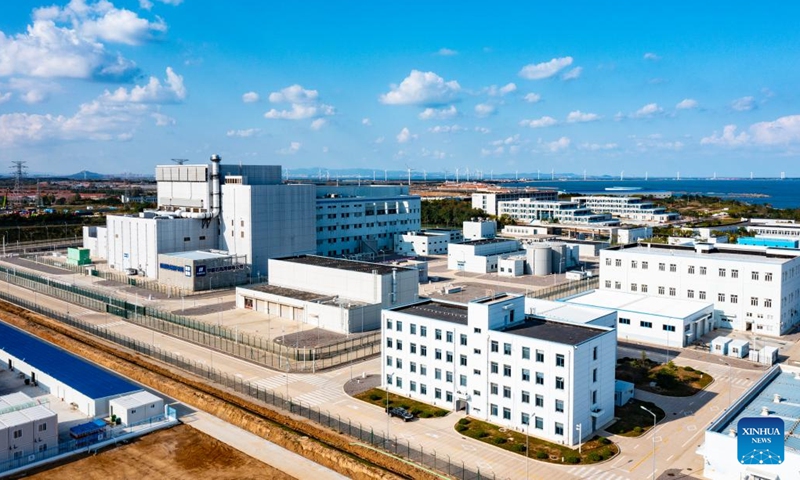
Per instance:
x=215, y=185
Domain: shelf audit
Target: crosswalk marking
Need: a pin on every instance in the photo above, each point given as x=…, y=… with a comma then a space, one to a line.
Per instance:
x=270, y=383
x=112, y=324
x=318, y=397
x=595, y=473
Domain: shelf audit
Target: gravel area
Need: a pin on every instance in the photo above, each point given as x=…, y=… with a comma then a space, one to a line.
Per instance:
x=360, y=385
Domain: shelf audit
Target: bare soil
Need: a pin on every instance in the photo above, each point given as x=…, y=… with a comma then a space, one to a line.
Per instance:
x=177, y=453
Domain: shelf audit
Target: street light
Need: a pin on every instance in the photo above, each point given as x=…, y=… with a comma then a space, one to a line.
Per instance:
x=389, y=377
x=527, y=443
x=730, y=380
x=654, y=439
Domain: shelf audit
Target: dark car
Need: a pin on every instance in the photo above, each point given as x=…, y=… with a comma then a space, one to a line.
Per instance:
x=401, y=413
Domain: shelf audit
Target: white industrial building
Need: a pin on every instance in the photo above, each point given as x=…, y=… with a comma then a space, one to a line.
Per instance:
x=772, y=227
x=479, y=229
x=26, y=428
x=489, y=201
x=136, y=407
x=508, y=258
x=614, y=234
x=75, y=381
x=752, y=288
x=522, y=372
x=628, y=208
x=479, y=256
x=344, y=296
x=669, y=322
x=247, y=212
x=775, y=398
x=554, y=211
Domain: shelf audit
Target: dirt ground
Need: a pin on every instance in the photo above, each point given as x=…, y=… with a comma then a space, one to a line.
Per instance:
x=177, y=453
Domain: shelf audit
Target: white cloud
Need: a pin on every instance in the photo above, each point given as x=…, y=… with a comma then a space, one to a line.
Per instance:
x=542, y=70
x=782, y=131
x=539, y=122
x=366, y=122
x=686, y=104
x=648, y=111
x=4, y=97
x=495, y=91
x=558, y=145
x=121, y=26
x=171, y=91
x=294, y=94
x=250, y=97
x=729, y=137
x=163, y=120
x=435, y=154
x=147, y=4
x=405, y=135
x=298, y=112
x=446, y=52
x=379, y=140
x=31, y=90
x=484, y=109
x=532, y=97
x=513, y=140
x=744, y=104
x=594, y=147
x=318, y=123
x=249, y=132
x=421, y=88
x=438, y=113
x=293, y=148
x=651, y=56
x=447, y=129
x=483, y=130
x=579, y=117
x=572, y=74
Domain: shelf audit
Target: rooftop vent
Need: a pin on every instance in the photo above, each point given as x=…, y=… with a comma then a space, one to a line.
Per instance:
x=764, y=411
x=704, y=248
x=776, y=398
x=732, y=432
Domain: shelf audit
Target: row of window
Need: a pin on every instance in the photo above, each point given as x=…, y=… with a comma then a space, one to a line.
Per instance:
x=691, y=269
x=690, y=293
x=423, y=389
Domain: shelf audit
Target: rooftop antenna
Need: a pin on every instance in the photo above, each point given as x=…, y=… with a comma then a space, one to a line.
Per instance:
x=180, y=161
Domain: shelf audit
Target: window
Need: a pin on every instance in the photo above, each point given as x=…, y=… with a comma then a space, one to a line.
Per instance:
x=506, y=370
x=449, y=357
x=559, y=405
x=399, y=382
x=413, y=348
x=423, y=350
x=493, y=410
x=720, y=297
x=477, y=330
x=494, y=368
x=448, y=396
x=412, y=367
x=463, y=339
x=493, y=389
x=661, y=290
x=449, y=337
x=644, y=324
x=526, y=353
x=526, y=419
x=526, y=375
x=691, y=270
x=624, y=321
x=438, y=334
x=399, y=325
x=539, y=401
x=413, y=386
x=477, y=393
x=398, y=362
x=690, y=293
x=559, y=383
x=495, y=347
x=437, y=354
x=768, y=302
x=702, y=270
x=662, y=267
x=539, y=356
x=608, y=262
x=633, y=287
x=463, y=360
x=734, y=298
x=437, y=373
x=644, y=288
x=754, y=301
x=673, y=268
x=388, y=342
x=506, y=413
x=559, y=428
x=668, y=328
x=506, y=349
x=594, y=375
x=538, y=423
x=734, y=273
x=42, y=427
x=506, y=392
x=423, y=331
x=608, y=284
x=526, y=397
x=768, y=277
x=634, y=263
x=594, y=396
x=437, y=393
x=388, y=324
x=672, y=291
x=617, y=262
x=754, y=275
x=539, y=378
x=448, y=376
x=399, y=344
x=423, y=370
x=702, y=295
x=722, y=272
x=559, y=360
x=389, y=361
x=423, y=389
x=413, y=328
x=462, y=380
x=18, y=433
x=618, y=285
x=644, y=265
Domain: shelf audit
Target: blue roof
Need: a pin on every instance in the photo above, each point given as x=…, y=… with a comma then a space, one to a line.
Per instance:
x=90, y=380
x=88, y=428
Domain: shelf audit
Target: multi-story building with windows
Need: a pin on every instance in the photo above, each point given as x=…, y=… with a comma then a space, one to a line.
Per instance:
x=630, y=208
x=524, y=372
x=531, y=210
x=752, y=288
x=489, y=201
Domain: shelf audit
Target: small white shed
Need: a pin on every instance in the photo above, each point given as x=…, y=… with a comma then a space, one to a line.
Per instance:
x=136, y=407
x=623, y=392
x=719, y=346
x=738, y=348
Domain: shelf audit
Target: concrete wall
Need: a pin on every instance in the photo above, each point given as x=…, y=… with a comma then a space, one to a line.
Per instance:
x=183, y=186
x=96, y=240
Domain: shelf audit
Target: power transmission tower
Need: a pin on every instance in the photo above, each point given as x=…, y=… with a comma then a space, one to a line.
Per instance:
x=18, y=168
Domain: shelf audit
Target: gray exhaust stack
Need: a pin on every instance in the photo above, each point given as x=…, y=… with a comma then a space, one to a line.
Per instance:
x=215, y=186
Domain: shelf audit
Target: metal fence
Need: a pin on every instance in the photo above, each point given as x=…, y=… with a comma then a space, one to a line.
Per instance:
x=364, y=434
x=247, y=346
x=566, y=289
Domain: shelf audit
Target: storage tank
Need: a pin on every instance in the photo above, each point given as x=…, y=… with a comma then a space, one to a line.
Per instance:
x=539, y=253
x=559, y=257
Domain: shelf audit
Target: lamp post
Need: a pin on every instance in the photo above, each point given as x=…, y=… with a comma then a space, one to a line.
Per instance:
x=730, y=380
x=654, y=439
x=579, y=428
x=388, y=417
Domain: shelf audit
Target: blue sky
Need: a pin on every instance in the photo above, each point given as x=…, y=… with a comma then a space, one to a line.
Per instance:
x=122, y=86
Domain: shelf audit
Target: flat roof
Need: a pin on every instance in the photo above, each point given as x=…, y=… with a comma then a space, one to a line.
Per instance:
x=557, y=332
x=198, y=255
x=342, y=264
x=717, y=252
x=137, y=399
x=15, y=399
x=487, y=241
x=20, y=417
x=79, y=374
x=568, y=312
x=632, y=302
x=788, y=410
x=302, y=295
x=437, y=310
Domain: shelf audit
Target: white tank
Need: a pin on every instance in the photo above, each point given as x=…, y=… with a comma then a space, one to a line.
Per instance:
x=541, y=259
x=559, y=257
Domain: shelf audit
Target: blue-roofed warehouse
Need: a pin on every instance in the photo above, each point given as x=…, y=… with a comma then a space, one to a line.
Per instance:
x=731, y=453
x=72, y=379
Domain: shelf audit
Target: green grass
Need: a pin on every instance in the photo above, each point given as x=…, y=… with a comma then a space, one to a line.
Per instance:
x=632, y=421
x=593, y=451
x=377, y=396
x=668, y=379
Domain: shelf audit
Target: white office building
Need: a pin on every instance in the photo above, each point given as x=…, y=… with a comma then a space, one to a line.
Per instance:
x=664, y=321
x=480, y=229
x=490, y=359
x=628, y=208
x=489, y=201
x=562, y=212
x=776, y=228
x=752, y=288
x=421, y=243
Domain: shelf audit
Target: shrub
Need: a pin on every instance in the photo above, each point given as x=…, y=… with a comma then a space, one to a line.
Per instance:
x=426, y=415
x=481, y=434
x=594, y=457
x=519, y=448
x=440, y=413
x=541, y=454
x=461, y=428
x=571, y=458
x=463, y=421
x=604, y=441
x=499, y=440
x=416, y=411
x=637, y=430
x=606, y=453
x=375, y=397
x=688, y=369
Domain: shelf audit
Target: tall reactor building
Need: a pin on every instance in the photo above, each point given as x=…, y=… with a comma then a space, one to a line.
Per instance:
x=215, y=219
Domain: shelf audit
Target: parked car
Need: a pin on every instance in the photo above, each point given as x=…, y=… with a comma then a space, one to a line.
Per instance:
x=401, y=413
x=131, y=271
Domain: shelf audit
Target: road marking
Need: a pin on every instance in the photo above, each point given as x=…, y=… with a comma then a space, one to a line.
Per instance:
x=691, y=428
x=670, y=457
x=432, y=435
x=658, y=439
x=637, y=446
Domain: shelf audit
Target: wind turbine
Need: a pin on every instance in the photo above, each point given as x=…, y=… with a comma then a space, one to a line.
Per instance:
x=408, y=167
x=621, y=175
x=456, y=175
